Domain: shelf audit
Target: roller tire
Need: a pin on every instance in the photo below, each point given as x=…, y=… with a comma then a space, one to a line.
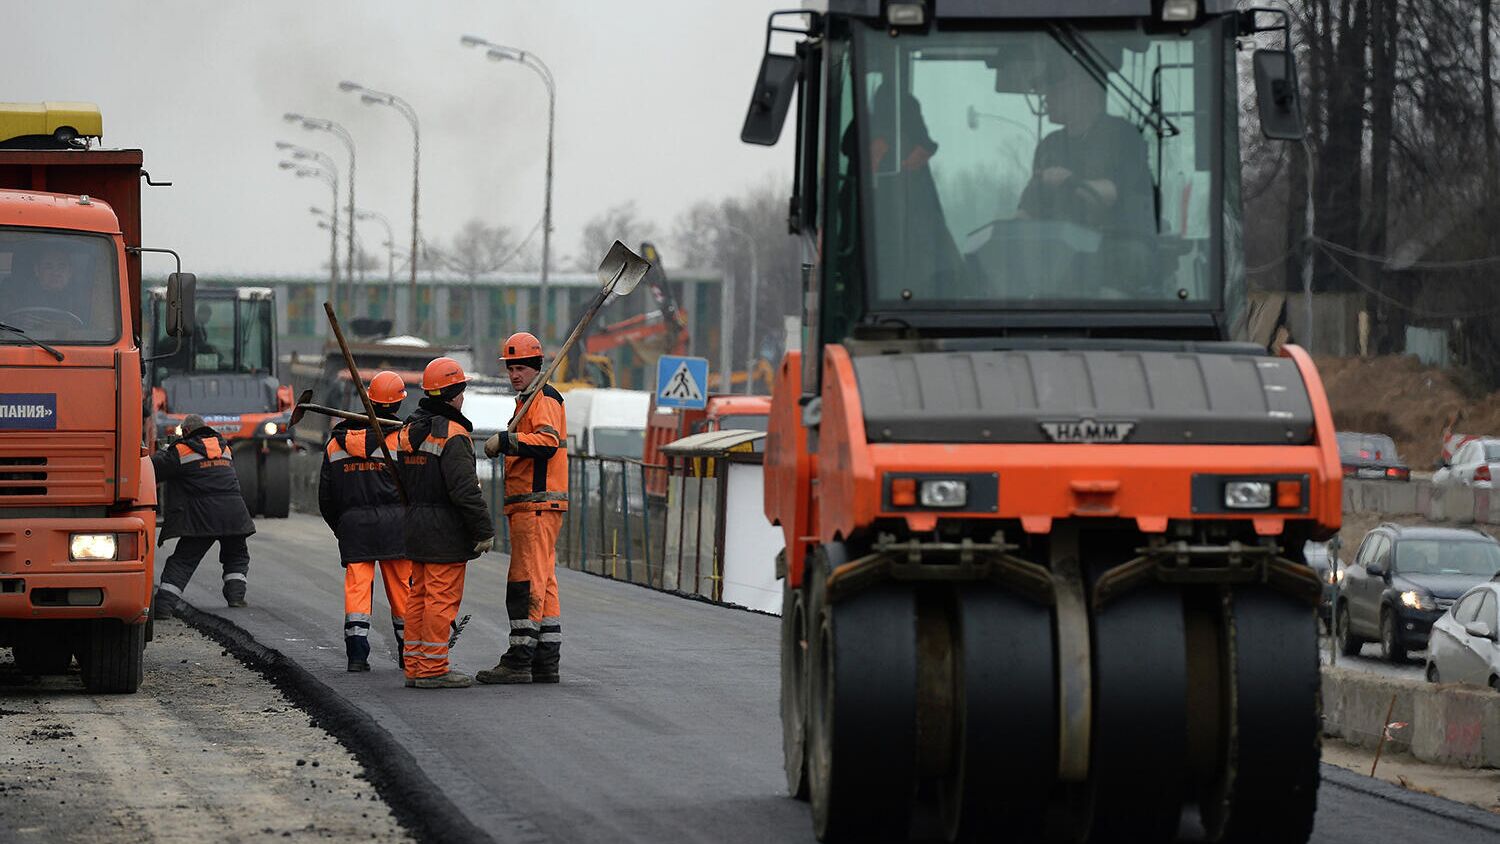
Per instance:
x=1139, y=754
x=1274, y=790
x=862, y=716
x=112, y=656
x=794, y=689
x=1007, y=715
x=247, y=468
x=276, y=482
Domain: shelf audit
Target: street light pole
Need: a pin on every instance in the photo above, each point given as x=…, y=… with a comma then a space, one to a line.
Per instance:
x=500, y=52
x=390, y=254
x=332, y=177
x=319, y=124
x=754, y=294
x=325, y=161
x=369, y=96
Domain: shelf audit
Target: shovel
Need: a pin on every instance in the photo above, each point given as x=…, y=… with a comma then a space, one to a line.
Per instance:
x=304, y=404
x=619, y=273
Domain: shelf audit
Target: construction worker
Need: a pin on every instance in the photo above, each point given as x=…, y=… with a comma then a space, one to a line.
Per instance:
x=204, y=506
x=536, y=496
x=358, y=499
x=447, y=523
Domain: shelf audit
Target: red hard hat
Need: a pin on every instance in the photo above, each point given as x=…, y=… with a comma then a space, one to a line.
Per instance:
x=521, y=345
x=387, y=388
x=442, y=372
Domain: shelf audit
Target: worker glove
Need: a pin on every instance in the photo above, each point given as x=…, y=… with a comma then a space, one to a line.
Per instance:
x=501, y=443
x=484, y=545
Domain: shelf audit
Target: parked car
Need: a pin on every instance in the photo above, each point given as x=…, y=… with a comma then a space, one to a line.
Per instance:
x=1403, y=579
x=1371, y=456
x=1475, y=464
x=1330, y=571
x=1463, y=647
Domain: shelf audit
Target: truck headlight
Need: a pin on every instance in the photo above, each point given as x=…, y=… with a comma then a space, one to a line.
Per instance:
x=92, y=546
x=1418, y=600
x=944, y=493
x=1179, y=11
x=1247, y=495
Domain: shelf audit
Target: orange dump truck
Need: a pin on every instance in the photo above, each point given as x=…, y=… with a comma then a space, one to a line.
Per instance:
x=77, y=492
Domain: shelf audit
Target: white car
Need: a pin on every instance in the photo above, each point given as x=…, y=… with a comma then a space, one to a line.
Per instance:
x=1475, y=464
x=1463, y=648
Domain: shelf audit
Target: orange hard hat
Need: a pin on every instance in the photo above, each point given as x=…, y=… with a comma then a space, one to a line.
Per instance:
x=387, y=388
x=521, y=345
x=442, y=372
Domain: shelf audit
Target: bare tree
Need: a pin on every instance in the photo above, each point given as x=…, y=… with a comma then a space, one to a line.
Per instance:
x=477, y=250
x=621, y=222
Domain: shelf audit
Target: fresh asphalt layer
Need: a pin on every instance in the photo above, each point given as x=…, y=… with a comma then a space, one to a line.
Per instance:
x=665, y=727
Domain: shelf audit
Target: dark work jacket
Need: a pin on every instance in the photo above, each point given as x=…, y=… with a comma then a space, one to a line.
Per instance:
x=445, y=515
x=357, y=495
x=203, y=491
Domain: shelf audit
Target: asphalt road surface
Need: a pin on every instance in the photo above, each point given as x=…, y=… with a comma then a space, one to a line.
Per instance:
x=665, y=727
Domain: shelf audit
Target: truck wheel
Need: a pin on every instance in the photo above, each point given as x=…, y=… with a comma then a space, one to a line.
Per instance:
x=276, y=482
x=112, y=655
x=247, y=467
x=43, y=656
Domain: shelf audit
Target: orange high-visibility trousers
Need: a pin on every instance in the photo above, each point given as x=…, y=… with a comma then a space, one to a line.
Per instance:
x=359, y=588
x=531, y=592
x=436, y=590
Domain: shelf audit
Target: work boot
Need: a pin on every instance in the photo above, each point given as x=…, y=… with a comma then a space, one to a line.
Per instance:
x=358, y=665
x=234, y=593
x=165, y=605
x=503, y=674
x=411, y=682
x=451, y=680
x=545, y=676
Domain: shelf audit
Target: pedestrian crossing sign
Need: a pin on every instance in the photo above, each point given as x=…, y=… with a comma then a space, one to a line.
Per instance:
x=682, y=382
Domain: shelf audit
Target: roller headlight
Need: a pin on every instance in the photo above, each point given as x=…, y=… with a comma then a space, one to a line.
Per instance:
x=270, y=428
x=92, y=546
x=944, y=493
x=1247, y=495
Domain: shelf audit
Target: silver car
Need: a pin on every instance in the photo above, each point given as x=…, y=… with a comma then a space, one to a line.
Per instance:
x=1462, y=648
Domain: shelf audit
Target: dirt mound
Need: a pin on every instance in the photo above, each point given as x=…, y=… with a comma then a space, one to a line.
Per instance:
x=1406, y=399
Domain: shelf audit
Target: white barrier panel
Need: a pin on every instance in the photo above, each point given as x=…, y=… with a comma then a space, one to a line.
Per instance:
x=750, y=542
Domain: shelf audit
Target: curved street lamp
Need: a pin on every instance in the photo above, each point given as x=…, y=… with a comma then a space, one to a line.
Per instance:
x=370, y=96
x=500, y=52
x=318, y=124
x=331, y=176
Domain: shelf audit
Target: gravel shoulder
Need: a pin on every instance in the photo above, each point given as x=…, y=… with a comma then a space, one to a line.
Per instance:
x=207, y=750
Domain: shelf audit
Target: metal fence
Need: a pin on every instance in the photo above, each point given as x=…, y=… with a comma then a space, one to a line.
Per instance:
x=613, y=526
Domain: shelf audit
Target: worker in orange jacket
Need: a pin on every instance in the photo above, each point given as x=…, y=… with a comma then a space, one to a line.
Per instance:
x=536, y=496
x=447, y=522
x=359, y=500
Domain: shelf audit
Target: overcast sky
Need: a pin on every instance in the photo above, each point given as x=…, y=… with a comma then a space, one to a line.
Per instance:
x=651, y=94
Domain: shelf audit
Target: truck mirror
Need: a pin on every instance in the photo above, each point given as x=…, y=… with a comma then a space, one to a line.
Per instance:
x=1278, y=96
x=771, y=100
x=182, y=290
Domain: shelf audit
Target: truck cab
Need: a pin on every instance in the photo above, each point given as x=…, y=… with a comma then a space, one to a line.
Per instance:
x=77, y=491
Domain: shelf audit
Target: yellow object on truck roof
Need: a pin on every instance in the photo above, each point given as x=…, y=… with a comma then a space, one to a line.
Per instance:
x=62, y=122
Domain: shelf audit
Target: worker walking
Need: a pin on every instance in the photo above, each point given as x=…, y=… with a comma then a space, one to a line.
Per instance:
x=536, y=496
x=358, y=498
x=447, y=523
x=204, y=506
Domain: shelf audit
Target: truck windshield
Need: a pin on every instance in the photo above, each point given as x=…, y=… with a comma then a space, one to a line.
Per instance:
x=59, y=288
x=1054, y=168
x=230, y=335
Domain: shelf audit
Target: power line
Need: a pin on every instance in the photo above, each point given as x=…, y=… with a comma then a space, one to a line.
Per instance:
x=1396, y=303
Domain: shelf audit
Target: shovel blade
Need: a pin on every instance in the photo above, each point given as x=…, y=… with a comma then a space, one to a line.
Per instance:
x=299, y=411
x=622, y=267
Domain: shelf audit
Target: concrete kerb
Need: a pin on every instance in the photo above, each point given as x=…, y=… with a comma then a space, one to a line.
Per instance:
x=1445, y=724
x=1438, y=807
x=418, y=804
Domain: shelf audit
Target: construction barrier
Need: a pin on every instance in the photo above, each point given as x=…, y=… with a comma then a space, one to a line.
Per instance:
x=1441, y=724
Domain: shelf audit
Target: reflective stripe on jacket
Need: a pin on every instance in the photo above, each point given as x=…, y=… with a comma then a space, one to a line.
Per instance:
x=446, y=515
x=358, y=498
x=203, y=489
x=536, y=463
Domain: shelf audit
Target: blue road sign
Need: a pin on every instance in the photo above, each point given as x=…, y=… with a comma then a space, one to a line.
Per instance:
x=682, y=382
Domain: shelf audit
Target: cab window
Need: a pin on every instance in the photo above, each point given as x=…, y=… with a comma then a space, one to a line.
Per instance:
x=59, y=288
